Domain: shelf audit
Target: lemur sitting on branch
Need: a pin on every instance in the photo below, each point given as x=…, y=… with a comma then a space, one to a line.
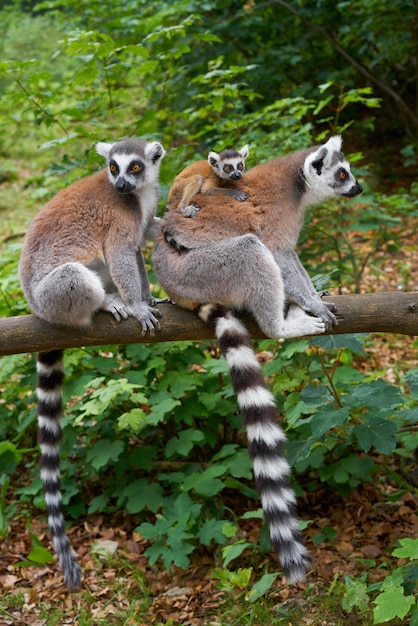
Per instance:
x=82, y=254
x=226, y=260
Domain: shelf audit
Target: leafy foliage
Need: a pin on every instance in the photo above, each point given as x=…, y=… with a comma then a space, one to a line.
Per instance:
x=396, y=597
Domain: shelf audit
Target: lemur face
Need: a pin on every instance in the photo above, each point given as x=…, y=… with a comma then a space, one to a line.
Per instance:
x=328, y=172
x=126, y=172
x=232, y=170
x=228, y=164
x=132, y=163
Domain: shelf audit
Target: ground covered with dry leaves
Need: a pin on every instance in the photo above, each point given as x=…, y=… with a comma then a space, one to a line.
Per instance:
x=367, y=526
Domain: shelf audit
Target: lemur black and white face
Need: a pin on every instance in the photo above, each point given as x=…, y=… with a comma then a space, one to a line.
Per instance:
x=327, y=172
x=132, y=163
x=229, y=164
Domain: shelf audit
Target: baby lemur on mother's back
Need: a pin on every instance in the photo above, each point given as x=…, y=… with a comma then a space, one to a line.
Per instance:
x=216, y=176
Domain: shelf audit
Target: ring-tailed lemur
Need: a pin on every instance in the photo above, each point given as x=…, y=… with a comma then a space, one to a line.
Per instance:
x=82, y=254
x=226, y=260
x=217, y=175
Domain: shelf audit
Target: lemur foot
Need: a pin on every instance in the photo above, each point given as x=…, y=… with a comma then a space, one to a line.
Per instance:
x=189, y=211
x=148, y=316
x=298, y=323
x=330, y=305
x=241, y=196
x=114, y=305
x=325, y=311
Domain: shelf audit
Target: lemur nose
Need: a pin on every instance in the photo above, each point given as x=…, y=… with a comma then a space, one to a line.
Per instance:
x=124, y=186
x=236, y=176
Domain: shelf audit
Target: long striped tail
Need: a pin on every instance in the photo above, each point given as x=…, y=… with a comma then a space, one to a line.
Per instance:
x=50, y=380
x=265, y=439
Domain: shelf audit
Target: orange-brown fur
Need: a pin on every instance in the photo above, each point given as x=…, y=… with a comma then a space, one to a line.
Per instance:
x=108, y=223
x=268, y=211
x=198, y=177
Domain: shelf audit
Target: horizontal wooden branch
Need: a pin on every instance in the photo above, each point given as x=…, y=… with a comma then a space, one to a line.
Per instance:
x=378, y=312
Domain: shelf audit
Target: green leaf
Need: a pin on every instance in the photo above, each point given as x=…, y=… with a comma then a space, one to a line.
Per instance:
x=392, y=603
x=134, y=420
x=328, y=418
x=142, y=494
x=355, y=596
x=240, y=465
x=328, y=534
x=261, y=586
x=184, y=442
x=103, y=397
x=104, y=452
x=206, y=483
x=213, y=530
x=408, y=549
x=346, y=375
x=227, y=450
x=233, y=551
x=98, y=504
x=33, y=489
x=315, y=395
x=35, y=541
x=258, y=514
x=160, y=409
x=40, y=555
x=337, y=342
x=10, y=457
x=229, y=530
x=178, y=557
x=412, y=380
x=378, y=432
x=246, y=490
x=294, y=347
x=376, y=393
x=414, y=617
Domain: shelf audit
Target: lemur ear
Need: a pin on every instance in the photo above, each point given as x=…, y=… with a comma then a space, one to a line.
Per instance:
x=213, y=159
x=317, y=159
x=154, y=151
x=103, y=148
x=244, y=151
x=323, y=156
x=334, y=144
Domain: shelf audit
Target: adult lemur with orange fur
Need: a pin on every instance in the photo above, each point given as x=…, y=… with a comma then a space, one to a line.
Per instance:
x=233, y=256
x=82, y=254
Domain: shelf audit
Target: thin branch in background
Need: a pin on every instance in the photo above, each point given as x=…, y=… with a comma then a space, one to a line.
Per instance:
x=402, y=105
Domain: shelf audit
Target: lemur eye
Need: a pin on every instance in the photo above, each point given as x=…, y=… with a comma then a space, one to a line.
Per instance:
x=240, y=166
x=343, y=175
x=136, y=168
x=228, y=168
x=113, y=168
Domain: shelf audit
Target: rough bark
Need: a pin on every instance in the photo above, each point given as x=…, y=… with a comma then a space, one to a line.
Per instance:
x=378, y=312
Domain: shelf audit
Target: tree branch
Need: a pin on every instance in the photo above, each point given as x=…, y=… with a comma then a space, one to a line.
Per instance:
x=379, y=312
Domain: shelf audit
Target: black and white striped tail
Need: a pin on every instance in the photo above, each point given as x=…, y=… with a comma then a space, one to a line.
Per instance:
x=265, y=439
x=50, y=380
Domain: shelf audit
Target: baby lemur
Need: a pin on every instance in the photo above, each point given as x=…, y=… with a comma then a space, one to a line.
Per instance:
x=216, y=176
x=224, y=260
x=82, y=254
